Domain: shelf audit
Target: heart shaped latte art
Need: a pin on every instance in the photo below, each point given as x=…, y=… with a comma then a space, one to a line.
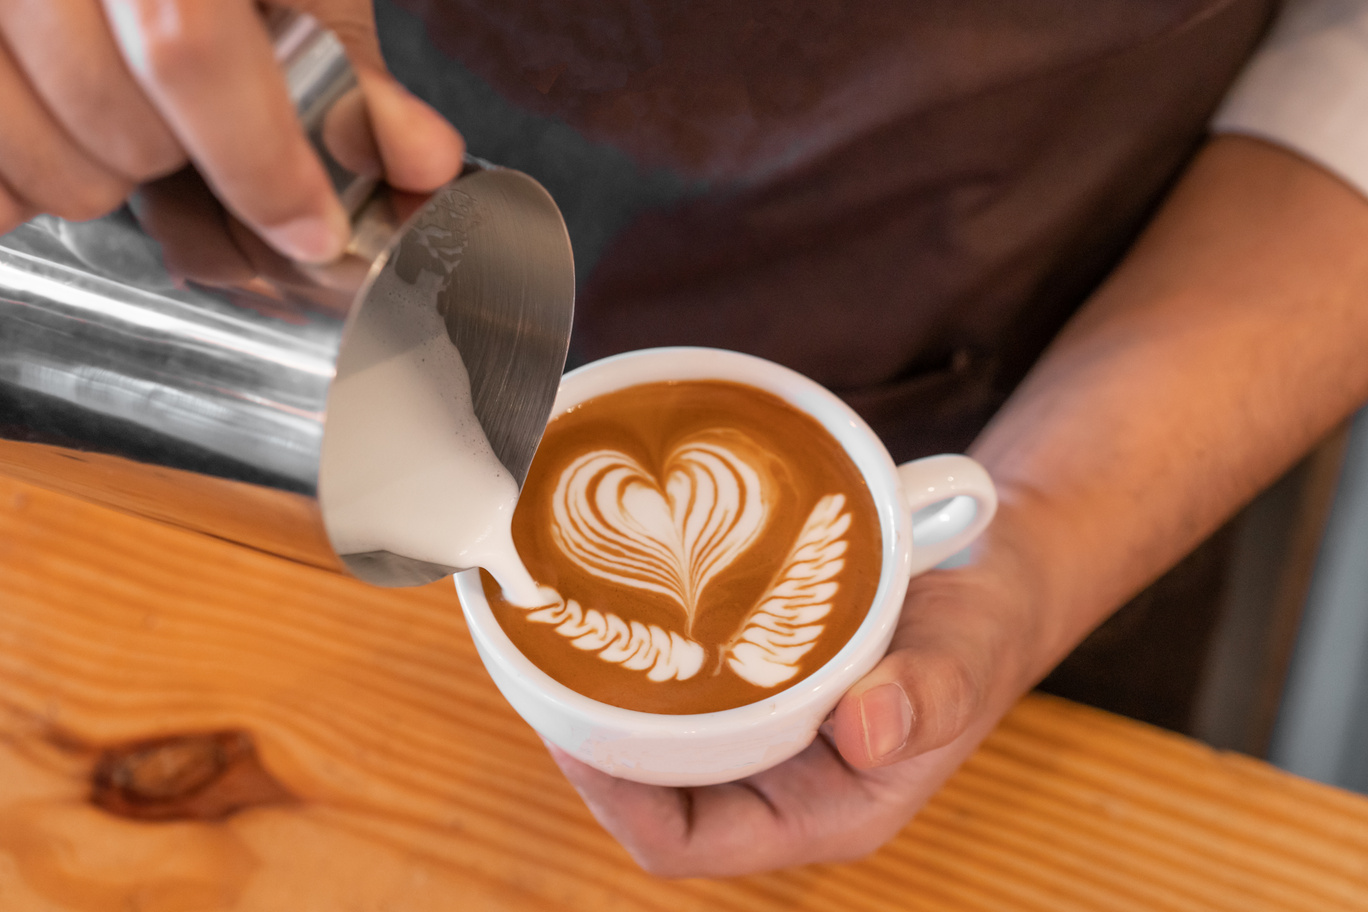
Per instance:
x=617, y=521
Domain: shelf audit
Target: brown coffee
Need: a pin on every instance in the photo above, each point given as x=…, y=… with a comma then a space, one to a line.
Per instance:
x=708, y=545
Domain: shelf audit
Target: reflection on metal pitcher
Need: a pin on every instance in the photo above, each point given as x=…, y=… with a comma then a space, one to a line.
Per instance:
x=166, y=361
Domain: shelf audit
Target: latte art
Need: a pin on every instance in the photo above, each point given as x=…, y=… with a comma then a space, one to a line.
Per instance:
x=614, y=519
x=785, y=624
x=782, y=627
x=635, y=646
x=690, y=556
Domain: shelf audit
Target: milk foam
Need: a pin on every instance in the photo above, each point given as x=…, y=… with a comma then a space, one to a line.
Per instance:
x=614, y=520
x=618, y=522
x=406, y=467
x=785, y=624
x=663, y=654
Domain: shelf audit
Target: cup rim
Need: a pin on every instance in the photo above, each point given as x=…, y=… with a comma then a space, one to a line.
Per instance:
x=864, y=447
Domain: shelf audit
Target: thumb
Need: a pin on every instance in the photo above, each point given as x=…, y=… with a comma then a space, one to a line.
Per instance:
x=385, y=129
x=930, y=687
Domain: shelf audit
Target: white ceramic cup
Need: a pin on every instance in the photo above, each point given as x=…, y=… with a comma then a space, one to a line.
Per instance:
x=941, y=502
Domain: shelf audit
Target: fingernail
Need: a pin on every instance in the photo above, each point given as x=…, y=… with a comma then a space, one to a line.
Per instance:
x=313, y=238
x=886, y=716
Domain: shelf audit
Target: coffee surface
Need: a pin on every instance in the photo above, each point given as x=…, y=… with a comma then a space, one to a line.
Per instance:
x=702, y=545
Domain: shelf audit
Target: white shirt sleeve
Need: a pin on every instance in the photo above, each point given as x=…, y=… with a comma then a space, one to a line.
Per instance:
x=1306, y=88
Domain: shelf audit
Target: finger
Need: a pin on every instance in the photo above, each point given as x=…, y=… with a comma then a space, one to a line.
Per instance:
x=621, y=807
x=418, y=149
x=347, y=134
x=210, y=70
x=810, y=808
x=42, y=168
x=949, y=655
x=87, y=88
x=12, y=212
x=182, y=215
x=913, y=701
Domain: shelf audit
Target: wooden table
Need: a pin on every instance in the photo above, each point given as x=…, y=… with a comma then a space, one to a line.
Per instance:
x=186, y=726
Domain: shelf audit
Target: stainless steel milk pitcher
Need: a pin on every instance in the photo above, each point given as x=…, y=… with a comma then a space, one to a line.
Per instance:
x=203, y=403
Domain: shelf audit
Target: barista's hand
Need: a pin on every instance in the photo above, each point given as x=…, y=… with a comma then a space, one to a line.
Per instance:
x=97, y=96
x=958, y=659
x=1229, y=341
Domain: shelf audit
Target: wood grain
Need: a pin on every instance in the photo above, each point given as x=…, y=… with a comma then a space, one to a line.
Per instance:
x=392, y=776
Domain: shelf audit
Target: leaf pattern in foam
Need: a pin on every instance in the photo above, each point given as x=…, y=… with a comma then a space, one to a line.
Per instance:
x=631, y=644
x=785, y=624
x=618, y=522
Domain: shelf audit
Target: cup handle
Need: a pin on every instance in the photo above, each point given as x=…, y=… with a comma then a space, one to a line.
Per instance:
x=952, y=500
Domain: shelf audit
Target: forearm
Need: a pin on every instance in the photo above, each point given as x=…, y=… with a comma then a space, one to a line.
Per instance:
x=1229, y=341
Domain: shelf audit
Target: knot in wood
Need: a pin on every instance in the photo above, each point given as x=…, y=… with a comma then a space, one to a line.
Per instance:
x=187, y=777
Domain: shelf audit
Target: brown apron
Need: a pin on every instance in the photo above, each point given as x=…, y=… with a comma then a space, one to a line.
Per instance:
x=902, y=200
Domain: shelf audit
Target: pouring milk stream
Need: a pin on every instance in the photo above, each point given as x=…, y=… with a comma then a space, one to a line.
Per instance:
x=408, y=402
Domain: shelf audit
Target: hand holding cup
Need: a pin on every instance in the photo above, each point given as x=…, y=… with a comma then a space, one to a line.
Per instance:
x=780, y=546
